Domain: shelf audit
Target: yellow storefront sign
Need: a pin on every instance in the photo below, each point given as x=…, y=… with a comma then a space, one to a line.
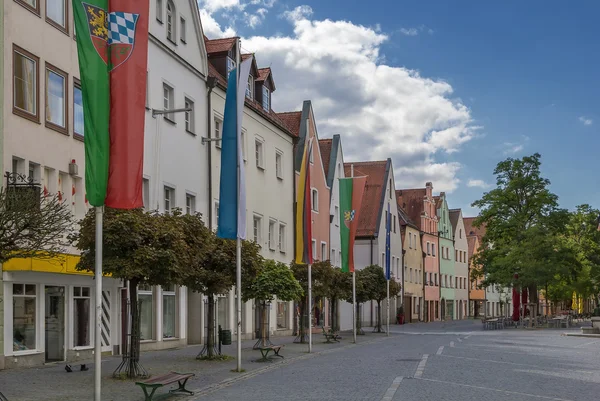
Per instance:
x=62, y=264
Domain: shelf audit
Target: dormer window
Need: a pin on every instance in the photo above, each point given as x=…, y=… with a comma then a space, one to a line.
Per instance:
x=266, y=101
x=250, y=87
x=230, y=65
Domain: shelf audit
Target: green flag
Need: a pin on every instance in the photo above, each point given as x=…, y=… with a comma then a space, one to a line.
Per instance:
x=91, y=27
x=351, y=193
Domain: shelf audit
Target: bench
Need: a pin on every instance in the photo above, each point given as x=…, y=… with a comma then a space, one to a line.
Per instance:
x=157, y=382
x=330, y=335
x=264, y=351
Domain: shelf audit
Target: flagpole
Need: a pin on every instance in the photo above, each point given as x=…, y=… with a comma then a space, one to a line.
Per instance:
x=309, y=308
x=353, y=283
x=98, y=329
x=388, y=308
x=238, y=252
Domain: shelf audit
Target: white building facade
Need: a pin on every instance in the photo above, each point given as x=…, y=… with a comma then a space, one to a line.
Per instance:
x=461, y=265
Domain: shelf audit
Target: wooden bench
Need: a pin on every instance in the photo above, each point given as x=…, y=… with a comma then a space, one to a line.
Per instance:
x=157, y=382
x=330, y=335
x=264, y=351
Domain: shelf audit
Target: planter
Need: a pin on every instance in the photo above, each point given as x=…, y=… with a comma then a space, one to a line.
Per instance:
x=400, y=319
x=596, y=321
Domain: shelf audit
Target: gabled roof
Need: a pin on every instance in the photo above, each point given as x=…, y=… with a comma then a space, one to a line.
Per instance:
x=454, y=215
x=405, y=220
x=216, y=46
x=371, y=209
x=325, y=145
x=264, y=74
x=472, y=241
x=329, y=154
x=292, y=120
x=470, y=229
x=411, y=201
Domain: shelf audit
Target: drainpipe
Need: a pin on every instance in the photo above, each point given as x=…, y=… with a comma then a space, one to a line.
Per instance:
x=211, y=82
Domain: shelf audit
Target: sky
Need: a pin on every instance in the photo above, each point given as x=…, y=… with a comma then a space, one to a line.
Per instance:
x=446, y=89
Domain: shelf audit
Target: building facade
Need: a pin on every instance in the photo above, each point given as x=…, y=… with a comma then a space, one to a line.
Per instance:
x=476, y=290
x=413, y=278
x=446, y=251
x=420, y=206
x=267, y=146
x=370, y=241
x=461, y=265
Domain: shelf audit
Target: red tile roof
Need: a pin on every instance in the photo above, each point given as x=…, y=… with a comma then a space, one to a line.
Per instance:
x=454, y=215
x=411, y=201
x=292, y=120
x=263, y=73
x=470, y=229
x=472, y=243
x=218, y=45
x=325, y=147
x=404, y=219
x=371, y=201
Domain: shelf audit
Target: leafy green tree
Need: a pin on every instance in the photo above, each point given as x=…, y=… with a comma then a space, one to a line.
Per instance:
x=139, y=247
x=340, y=288
x=273, y=280
x=373, y=277
x=32, y=226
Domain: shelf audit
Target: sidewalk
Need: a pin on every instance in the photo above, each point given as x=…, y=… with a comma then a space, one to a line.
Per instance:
x=52, y=382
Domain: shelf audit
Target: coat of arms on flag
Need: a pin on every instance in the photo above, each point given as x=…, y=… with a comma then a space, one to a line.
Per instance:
x=98, y=24
x=348, y=217
x=121, y=37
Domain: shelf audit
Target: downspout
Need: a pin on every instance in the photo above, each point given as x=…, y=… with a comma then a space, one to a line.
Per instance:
x=372, y=263
x=211, y=83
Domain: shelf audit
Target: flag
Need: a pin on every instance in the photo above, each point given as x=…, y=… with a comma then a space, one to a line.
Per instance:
x=304, y=251
x=112, y=46
x=73, y=192
x=388, y=228
x=232, y=199
x=351, y=194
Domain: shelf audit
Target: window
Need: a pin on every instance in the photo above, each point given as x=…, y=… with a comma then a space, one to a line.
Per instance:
x=24, y=317
x=146, y=305
x=81, y=316
x=190, y=204
x=257, y=222
x=189, y=116
x=244, y=144
x=230, y=65
x=428, y=248
x=410, y=277
x=282, y=314
x=32, y=5
x=146, y=193
x=169, y=198
x=382, y=264
x=314, y=249
x=171, y=28
x=266, y=104
x=336, y=215
x=433, y=250
x=272, y=224
x=56, y=14
x=25, y=84
x=78, y=122
x=250, y=87
x=281, y=237
x=324, y=253
x=314, y=200
x=332, y=257
x=159, y=10
x=435, y=275
x=216, y=214
x=218, y=125
x=310, y=155
x=279, y=165
x=394, y=224
x=456, y=255
x=410, y=240
x=182, y=29
x=168, y=102
x=169, y=300
x=460, y=233
x=258, y=150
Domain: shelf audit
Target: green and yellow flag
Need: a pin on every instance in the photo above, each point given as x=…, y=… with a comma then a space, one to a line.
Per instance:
x=351, y=194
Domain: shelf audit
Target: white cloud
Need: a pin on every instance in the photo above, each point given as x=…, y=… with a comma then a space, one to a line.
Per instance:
x=212, y=6
x=409, y=31
x=477, y=184
x=211, y=27
x=381, y=111
x=263, y=3
x=586, y=121
x=511, y=148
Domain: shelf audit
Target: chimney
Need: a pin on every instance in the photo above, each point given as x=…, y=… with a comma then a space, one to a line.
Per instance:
x=429, y=184
x=442, y=194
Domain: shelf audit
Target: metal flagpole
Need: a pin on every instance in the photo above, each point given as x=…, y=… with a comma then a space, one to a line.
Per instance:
x=98, y=330
x=353, y=283
x=388, y=308
x=238, y=252
x=309, y=308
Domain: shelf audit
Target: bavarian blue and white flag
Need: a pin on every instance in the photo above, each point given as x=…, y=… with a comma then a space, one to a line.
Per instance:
x=232, y=198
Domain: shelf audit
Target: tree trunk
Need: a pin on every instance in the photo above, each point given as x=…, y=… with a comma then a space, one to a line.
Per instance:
x=358, y=325
x=210, y=341
x=378, y=316
x=265, y=324
x=134, y=351
x=333, y=311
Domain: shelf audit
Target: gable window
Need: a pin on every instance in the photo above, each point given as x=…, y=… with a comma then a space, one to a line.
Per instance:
x=230, y=65
x=218, y=125
x=56, y=98
x=168, y=102
x=56, y=14
x=266, y=103
x=190, y=204
x=250, y=87
x=279, y=165
x=336, y=215
x=182, y=29
x=258, y=148
x=25, y=84
x=169, y=198
x=32, y=5
x=314, y=200
x=189, y=116
x=281, y=237
x=257, y=223
x=171, y=21
x=272, y=224
x=78, y=122
x=159, y=10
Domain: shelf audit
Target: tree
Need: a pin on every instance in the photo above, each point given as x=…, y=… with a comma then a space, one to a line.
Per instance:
x=139, y=247
x=274, y=280
x=211, y=268
x=340, y=288
x=374, y=277
x=518, y=215
x=321, y=273
x=32, y=226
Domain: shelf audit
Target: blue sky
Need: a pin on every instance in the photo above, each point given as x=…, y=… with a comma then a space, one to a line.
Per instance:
x=501, y=79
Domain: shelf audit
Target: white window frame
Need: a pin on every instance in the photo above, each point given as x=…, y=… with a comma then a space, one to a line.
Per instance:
x=170, y=199
x=171, y=22
x=90, y=317
x=76, y=122
x=324, y=252
x=230, y=65
x=50, y=69
x=314, y=206
x=281, y=237
x=173, y=294
x=257, y=228
x=218, y=131
x=189, y=115
x=259, y=153
x=190, y=203
x=159, y=11
x=182, y=33
x=279, y=164
x=37, y=314
x=168, y=101
x=336, y=215
x=272, y=225
x=250, y=87
x=314, y=248
x=216, y=214
x=266, y=99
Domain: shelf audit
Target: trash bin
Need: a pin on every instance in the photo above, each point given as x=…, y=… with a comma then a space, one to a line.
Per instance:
x=225, y=337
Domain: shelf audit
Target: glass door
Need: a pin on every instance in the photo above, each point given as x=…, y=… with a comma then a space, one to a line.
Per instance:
x=55, y=323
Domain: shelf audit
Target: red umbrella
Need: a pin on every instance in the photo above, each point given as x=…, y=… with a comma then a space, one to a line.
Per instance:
x=524, y=298
x=516, y=301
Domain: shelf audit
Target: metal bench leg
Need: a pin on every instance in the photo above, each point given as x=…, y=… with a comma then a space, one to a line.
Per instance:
x=182, y=388
x=265, y=355
x=148, y=397
x=277, y=354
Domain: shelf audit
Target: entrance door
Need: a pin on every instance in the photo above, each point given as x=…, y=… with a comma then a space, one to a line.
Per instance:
x=55, y=323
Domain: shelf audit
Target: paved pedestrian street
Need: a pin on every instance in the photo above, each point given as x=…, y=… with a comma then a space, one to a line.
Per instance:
x=435, y=361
